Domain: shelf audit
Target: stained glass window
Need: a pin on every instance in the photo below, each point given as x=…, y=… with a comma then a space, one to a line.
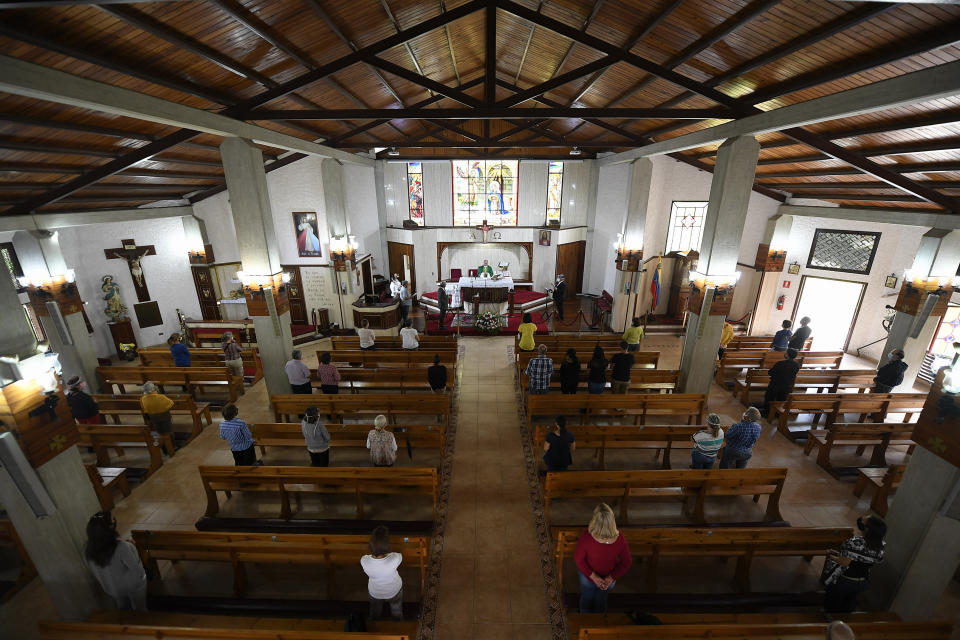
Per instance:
x=415, y=191
x=485, y=190
x=947, y=333
x=554, y=191
x=686, y=226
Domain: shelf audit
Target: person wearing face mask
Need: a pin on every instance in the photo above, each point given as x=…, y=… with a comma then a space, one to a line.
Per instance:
x=891, y=374
x=845, y=572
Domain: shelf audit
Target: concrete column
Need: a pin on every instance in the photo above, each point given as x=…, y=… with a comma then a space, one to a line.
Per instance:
x=71, y=340
x=259, y=253
x=55, y=543
x=913, y=329
x=194, y=233
x=923, y=539
x=631, y=238
x=17, y=336
x=723, y=228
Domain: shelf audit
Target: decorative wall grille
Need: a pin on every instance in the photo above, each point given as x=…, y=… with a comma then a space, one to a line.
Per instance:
x=847, y=251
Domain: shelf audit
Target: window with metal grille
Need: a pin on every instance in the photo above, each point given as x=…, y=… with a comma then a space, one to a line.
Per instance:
x=845, y=251
x=554, y=192
x=686, y=226
x=415, y=191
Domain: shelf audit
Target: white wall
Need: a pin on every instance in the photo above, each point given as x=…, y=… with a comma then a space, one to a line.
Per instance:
x=898, y=246
x=612, y=193
x=167, y=274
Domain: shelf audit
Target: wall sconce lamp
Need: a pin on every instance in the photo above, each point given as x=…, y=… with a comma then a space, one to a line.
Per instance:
x=939, y=285
x=722, y=283
x=777, y=254
x=342, y=249
x=68, y=277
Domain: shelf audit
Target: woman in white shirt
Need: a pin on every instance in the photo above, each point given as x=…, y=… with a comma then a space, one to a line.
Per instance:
x=367, y=338
x=409, y=336
x=115, y=563
x=384, y=583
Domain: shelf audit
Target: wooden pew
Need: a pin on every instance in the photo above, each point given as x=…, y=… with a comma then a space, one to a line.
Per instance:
x=833, y=406
x=760, y=342
x=661, y=438
x=744, y=544
x=432, y=343
x=357, y=380
x=115, y=406
x=733, y=363
x=384, y=359
x=103, y=437
x=582, y=343
x=202, y=357
x=790, y=631
x=642, y=380
x=885, y=481
x=861, y=435
x=360, y=406
x=336, y=480
x=105, y=480
x=108, y=631
x=685, y=485
x=641, y=359
x=577, y=621
x=820, y=380
x=637, y=407
x=286, y=434
x=328, y=551
x=190, y=378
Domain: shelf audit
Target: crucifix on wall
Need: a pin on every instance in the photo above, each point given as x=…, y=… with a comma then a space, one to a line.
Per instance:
x=133, y=254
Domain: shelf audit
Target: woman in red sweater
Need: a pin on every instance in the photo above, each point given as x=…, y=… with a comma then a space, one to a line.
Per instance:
x=602, y=556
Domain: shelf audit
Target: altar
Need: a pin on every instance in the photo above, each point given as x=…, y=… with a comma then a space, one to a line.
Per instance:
x=492, y=293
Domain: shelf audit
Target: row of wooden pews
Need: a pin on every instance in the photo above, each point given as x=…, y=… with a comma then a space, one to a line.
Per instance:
x=191, y=379
x=203, y=357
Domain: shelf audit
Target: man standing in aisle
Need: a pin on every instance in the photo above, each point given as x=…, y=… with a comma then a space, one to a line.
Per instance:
x=559, y=294
x=406, y=300
x=442, y=302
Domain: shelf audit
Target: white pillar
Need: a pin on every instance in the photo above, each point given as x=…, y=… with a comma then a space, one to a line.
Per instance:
x=916, y=319
x=771, y=258
x=722, y=230
x=260, y=257
x=55, y=543
x=628, y=298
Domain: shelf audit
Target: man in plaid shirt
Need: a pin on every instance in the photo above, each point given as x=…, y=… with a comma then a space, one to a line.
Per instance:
x=740, y=440
x=539, y=370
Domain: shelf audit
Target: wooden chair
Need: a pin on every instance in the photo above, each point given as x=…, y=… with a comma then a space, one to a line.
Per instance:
x=744, y=544
x=878, y=436
x=686, y=485
x=358, y=481
x=886, y=481
x=663, y=439
x=105, y=480
x=328, y=551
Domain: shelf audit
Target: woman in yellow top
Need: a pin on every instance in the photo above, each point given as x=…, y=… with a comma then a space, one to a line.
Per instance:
x=725, y=337
x=526, y=331
x=632, y=335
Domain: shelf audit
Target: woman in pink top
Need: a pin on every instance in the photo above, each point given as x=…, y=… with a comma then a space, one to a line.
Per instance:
x=602, y=557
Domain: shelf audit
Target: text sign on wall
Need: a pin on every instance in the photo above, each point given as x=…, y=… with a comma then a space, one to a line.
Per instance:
x=318, y=289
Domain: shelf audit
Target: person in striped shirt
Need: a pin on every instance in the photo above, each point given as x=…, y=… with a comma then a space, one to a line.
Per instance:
x=237, y=434
x=706, y=444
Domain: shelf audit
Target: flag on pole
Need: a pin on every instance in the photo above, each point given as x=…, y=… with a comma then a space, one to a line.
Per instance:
x=655, y=286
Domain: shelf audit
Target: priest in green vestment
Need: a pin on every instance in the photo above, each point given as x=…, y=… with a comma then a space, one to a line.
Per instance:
x=485, y=268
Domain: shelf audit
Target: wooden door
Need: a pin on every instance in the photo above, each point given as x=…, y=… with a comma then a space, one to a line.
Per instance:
x=570, y=259
x=400, y=259
x=298, y=304
x=206, y=292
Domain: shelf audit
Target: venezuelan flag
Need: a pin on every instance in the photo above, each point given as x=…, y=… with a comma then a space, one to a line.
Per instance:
x=655, y=286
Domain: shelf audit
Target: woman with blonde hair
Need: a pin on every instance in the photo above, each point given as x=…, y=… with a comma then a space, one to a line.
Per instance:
x=602, y=556
x=382, y=444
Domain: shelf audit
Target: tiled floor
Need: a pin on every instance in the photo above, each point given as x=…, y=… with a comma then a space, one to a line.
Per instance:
x=491, y=585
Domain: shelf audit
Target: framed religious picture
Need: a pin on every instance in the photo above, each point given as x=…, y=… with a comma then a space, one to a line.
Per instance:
x=545, y=238
x=308, y=236
x=794, y=269
x=891, y=282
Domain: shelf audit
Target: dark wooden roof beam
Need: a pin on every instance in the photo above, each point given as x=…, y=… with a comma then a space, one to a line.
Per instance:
x=925, y=167
x=34, y=167
x=807, y=186
x=486, y=113
x=854, y=197
x=34, y=147
x=423, y=81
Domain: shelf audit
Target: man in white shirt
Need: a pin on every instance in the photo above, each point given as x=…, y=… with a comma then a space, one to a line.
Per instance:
x=408, y=336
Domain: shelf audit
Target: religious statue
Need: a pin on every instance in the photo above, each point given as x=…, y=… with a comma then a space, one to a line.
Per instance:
x=132, y=255
x=114, y=308
x=485, y=270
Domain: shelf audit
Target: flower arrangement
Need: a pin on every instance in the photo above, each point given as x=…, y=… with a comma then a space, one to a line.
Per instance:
x=489, y=322
x=128, y=351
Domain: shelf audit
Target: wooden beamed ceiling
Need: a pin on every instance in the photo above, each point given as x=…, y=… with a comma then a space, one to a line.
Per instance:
x=478, y=78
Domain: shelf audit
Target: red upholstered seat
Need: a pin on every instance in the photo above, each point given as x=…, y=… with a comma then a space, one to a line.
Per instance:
x=456, y=274
x=432, y=295
x=472, y=273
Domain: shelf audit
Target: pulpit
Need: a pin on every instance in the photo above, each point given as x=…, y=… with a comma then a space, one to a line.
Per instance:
x=683, y=263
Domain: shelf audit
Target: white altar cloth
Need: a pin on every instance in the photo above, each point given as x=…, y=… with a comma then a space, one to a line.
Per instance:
x=469, y=281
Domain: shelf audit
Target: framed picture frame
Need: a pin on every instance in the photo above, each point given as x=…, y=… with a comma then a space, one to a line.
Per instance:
x=307, y=234
x=891, y=282
x=545, y=237
x=794, y=269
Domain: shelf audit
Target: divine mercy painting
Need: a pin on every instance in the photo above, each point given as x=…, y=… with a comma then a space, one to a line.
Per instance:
x=308, y=238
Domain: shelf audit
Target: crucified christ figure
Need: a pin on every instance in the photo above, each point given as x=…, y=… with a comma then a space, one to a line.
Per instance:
x=135, y=269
